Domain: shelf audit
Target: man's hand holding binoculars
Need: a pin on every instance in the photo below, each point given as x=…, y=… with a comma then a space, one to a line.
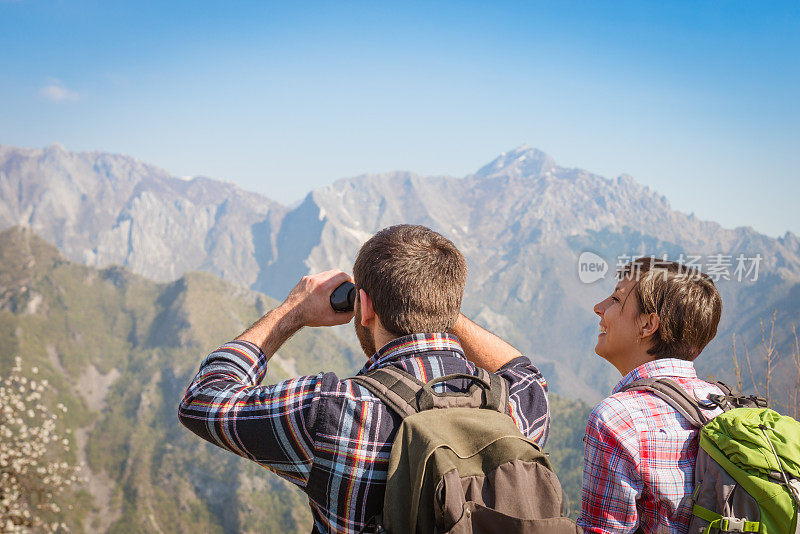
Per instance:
x=311, y=299
x=310, y=303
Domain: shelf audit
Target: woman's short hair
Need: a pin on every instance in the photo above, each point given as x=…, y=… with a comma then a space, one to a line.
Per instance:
x=686, y=301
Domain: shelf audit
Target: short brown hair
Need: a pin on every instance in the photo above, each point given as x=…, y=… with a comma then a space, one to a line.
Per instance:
x=415, y=278
x=686, y=301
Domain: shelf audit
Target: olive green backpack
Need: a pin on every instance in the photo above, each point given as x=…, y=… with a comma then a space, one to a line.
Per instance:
x=747, y=475
x=459, y=464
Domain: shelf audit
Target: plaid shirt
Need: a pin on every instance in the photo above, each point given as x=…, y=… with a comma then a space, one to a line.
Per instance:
x=639, y=456
x=330, y=436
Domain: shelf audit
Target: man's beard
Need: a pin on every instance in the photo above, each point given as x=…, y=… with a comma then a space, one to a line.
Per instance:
x=364, y=336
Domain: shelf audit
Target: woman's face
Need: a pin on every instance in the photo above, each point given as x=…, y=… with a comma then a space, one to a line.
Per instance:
x=620, y=328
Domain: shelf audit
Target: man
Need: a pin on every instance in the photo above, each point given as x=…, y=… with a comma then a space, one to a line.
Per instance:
x=639, y=451
x=329, y=435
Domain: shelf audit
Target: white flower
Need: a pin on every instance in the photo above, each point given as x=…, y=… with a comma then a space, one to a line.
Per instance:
x=30, y=463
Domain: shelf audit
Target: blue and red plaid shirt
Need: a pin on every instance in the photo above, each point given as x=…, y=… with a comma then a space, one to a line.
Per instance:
x=331, y=436
x=640, y=452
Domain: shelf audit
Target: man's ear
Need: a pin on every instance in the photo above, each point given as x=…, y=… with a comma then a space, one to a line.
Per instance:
x=650, y=324
x=367, y=312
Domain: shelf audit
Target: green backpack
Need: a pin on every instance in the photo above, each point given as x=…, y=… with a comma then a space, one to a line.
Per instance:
x=747, y=475
x=459, y=464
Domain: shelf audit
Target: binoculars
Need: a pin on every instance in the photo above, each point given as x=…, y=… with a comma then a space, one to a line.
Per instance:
x=343, y=298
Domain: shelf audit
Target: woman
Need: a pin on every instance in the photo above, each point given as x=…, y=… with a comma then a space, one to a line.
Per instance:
x=639, y=451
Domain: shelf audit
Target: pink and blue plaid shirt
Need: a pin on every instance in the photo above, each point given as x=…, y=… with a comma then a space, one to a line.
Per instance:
x=639, y=456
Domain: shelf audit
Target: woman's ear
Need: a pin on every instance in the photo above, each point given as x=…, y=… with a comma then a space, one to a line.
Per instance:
x=650, y=324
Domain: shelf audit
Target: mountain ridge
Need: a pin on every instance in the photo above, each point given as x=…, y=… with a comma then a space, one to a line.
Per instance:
x=521, y=220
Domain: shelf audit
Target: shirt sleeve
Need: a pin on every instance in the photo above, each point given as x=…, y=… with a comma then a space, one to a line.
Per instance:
x=271, y=425
x=611, y=484
x=528, y=402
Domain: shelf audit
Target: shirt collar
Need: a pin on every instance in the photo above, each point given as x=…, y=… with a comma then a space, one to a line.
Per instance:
x=672, y=367
x=406, y=346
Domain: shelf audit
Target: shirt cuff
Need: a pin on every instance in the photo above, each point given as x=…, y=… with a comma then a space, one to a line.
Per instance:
x=519, y=360
x=243, y=359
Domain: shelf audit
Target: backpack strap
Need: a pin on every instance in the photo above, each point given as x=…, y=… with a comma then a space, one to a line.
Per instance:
x=396, y=388
x=498, y=394
x=673, y=394
x=406, y=395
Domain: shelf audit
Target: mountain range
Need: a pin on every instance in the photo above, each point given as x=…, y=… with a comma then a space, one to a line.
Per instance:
x=522, y=222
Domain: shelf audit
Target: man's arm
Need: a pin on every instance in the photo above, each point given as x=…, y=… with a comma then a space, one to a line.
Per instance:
x=481, y=347
x=528, y=403
x=273, y=425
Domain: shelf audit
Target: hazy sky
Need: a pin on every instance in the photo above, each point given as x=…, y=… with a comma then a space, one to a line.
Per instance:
x=698, y=100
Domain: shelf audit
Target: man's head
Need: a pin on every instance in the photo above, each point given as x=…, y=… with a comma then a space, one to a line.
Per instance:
x=660, y=306
x=414, y=278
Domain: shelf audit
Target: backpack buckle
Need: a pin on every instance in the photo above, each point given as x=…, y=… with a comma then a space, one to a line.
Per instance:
x=732, y=524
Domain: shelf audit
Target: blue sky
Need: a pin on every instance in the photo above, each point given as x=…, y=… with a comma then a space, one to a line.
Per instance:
x=698, y=100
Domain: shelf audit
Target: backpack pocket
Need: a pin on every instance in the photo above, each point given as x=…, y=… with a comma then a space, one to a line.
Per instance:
x=516, y=495
x=717, y=492
x=480, y=519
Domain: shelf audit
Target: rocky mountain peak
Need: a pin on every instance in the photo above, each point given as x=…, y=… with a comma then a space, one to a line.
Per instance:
x=523, y=161
x=626, y=179
x=55, y=148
